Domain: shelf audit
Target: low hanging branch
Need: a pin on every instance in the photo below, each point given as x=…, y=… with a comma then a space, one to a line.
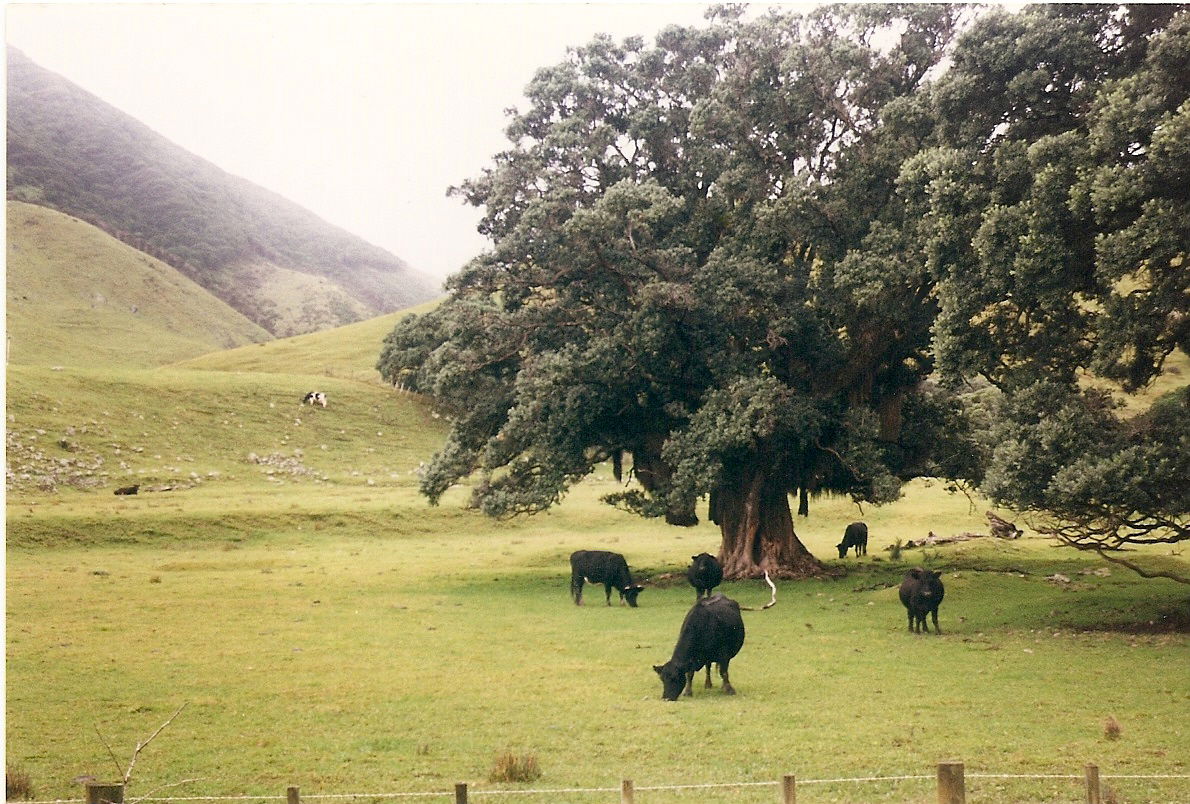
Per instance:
x=1142, y=572
x=1087, y=536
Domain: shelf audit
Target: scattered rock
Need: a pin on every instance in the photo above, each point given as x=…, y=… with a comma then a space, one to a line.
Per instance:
x=277, y=463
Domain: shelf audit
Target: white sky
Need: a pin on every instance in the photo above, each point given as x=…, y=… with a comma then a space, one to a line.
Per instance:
x=364, y=114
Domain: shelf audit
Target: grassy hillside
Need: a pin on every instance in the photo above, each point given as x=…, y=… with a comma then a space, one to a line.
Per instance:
x=91, y=430
x=78, y=297
x=278, y=264
x=349, y=351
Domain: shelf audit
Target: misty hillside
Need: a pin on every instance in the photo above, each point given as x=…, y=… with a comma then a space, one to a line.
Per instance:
x=277, y=263
x=76, y=296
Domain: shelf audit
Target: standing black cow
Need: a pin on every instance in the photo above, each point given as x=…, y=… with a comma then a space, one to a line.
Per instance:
x=705, y=573
x=855, y=536
x=713, y=631
x=607, y=568
x=922, y=593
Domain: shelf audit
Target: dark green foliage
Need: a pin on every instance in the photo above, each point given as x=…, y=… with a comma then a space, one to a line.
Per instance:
x=698, y=259
x=1103, y=482
x=740, y=254
x=72, y=152
x=1057, y=209
x=1056, y=214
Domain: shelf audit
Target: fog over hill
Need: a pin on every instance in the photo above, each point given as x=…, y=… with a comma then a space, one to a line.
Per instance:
x=277, y=263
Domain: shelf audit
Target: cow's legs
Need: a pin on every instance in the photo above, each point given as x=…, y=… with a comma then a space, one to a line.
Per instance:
x=608, y=588
x=727, y=688
x=708, y=684
x=911, y=623
x=576, y=589
x=937, y=630
x=689, y=684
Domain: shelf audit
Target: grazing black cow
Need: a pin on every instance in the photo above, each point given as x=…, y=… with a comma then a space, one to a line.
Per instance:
x=314, y=398
x=713, y=631
x=705, y=573
x=127, y=490
x=922, y=593
x=855, y=536
x=607, y=568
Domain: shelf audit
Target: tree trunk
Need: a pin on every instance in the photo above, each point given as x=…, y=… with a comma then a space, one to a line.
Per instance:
x=753, y=514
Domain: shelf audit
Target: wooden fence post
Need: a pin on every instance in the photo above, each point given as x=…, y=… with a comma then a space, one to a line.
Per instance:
x=1093, y=791
x=293, y=795
x=789, y=789
x=951, y=786
x=627, y=794
x=98, y=793
x=461, y=793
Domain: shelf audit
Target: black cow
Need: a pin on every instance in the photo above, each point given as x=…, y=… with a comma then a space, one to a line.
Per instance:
x=705, y=573
x=922, y=594
x=607, y=568
x=713, y=631
x=127, y=489
x=855, y=536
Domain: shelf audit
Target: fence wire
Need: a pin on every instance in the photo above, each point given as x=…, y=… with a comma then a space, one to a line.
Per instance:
x=637, y=788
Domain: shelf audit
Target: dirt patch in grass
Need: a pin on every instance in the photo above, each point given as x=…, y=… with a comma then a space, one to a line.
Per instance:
x=1165, y=621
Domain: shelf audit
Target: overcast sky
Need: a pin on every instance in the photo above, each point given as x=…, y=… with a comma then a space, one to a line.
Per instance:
x=364, y=114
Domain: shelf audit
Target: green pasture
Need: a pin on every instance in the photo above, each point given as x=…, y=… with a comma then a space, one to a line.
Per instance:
x=354, y=640
x=280, y=576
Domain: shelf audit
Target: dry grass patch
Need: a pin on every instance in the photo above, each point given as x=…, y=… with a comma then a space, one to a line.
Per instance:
x=510, y=767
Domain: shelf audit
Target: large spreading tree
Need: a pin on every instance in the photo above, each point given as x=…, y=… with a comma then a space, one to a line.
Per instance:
x=1058, y=200
x=736, y=256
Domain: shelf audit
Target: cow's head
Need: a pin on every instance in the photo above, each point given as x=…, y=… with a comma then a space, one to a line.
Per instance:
x=630, y=593
x=933, y=579
x=842, y=547
x=929, y=582
x=673, y=680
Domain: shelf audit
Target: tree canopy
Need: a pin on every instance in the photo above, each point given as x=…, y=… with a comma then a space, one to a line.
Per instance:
x=1059, y=194
x=743, y=256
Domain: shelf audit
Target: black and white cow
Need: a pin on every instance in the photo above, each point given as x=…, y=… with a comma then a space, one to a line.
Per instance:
x=314, y=398
x=855, y=536
x=607, y=568
x=713, y=632
x=921, y=593
x=704, y=573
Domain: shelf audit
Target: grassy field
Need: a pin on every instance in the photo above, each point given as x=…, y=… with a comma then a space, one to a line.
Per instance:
x=326, y=628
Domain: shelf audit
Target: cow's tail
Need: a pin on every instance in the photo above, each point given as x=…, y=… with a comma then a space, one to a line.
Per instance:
x=772, y=602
